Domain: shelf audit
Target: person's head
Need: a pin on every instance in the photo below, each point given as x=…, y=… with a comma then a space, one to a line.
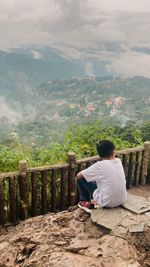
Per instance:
x=105, y=149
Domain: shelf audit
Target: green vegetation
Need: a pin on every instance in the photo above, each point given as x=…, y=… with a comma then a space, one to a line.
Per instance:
x=79, y=139
x=35, y=119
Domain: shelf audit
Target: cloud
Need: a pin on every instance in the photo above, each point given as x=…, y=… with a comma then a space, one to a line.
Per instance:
x=130, y=64
x=6, y=112
x=121, y=5
x=67, y=21
x=89, y=69
x=110, y=28
x=36, y=54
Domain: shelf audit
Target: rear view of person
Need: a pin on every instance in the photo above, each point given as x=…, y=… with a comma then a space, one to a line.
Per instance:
x=104, y=182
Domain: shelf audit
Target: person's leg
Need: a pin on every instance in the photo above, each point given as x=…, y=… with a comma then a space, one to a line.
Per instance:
x=86, y=189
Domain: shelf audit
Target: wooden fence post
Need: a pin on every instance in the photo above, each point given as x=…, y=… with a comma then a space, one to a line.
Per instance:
x=34, y=194
x=53, y=191
x=44, y=192
x=63, y=191
x=137, y=169
x=12, y=200
x=71, y=179
x=23, y=189
x=145, y=163
x=2, y=213
x=130, y=169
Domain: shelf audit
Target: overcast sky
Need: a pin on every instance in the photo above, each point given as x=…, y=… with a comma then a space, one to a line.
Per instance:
x=110, y=30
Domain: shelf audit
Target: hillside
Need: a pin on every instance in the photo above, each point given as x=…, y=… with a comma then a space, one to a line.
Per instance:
x=94, y=97
x=37, y=113
x=33, y=66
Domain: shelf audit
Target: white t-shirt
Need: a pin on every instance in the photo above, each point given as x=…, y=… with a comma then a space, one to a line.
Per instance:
x=110, y=179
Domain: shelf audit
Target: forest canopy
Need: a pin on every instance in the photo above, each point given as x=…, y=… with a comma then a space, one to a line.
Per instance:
x=81, y=140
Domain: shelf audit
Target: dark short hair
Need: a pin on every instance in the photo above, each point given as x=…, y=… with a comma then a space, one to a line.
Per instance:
x=105, y=148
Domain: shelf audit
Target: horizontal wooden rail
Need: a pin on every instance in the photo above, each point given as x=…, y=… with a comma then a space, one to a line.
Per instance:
x=48, y=168
x=8, y=174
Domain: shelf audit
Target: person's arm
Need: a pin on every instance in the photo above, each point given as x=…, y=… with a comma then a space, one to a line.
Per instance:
x=80, y=175
x=91, y=174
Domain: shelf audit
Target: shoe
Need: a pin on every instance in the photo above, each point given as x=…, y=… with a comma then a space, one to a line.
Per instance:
x=85, y=205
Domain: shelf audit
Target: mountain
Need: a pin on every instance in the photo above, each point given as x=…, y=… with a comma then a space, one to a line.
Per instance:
x=43, y=90
x=39, y=114
x=32, y=66
x=35, y=66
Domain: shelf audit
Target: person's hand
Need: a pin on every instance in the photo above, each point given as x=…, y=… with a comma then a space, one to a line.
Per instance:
x=93, y=202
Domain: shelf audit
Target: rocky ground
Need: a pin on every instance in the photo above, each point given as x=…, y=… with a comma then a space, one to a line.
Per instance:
x=70, y=239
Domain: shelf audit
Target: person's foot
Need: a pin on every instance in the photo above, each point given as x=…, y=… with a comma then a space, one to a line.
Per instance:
x=86, y=205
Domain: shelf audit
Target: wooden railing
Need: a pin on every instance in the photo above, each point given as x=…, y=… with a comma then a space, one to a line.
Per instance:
x=33, y=191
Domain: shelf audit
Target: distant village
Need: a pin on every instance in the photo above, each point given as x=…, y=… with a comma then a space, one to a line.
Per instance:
x=56, y=104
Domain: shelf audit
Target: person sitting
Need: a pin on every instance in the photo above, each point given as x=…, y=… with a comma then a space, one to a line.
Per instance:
x=104, y=182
